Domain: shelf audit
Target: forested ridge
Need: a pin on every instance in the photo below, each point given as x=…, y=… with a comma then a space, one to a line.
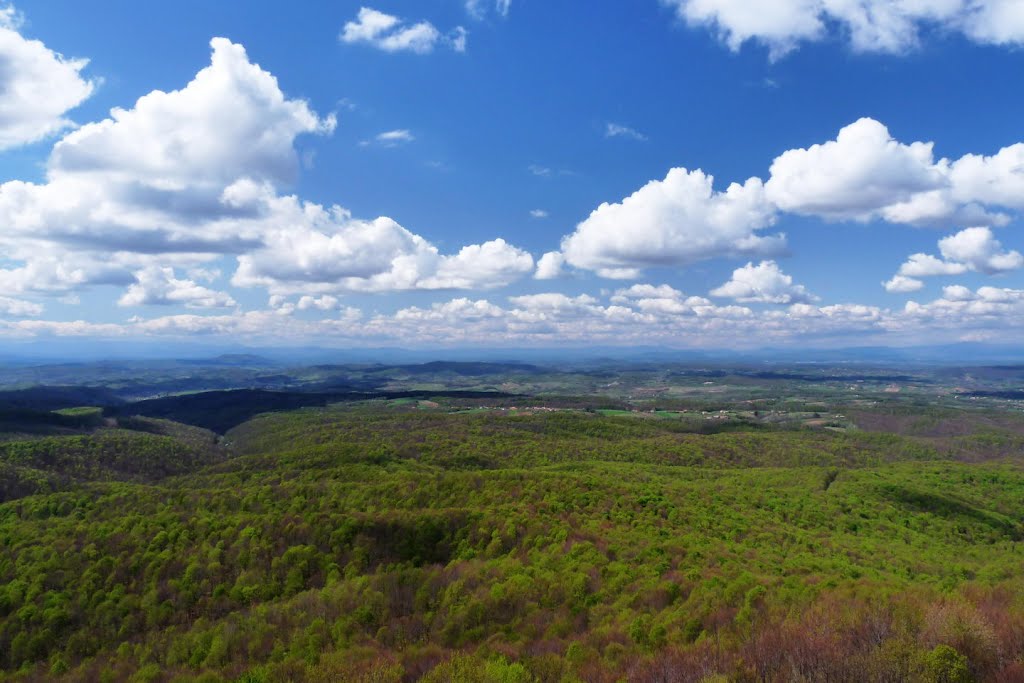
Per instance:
x=133, y=449
x=379, y=541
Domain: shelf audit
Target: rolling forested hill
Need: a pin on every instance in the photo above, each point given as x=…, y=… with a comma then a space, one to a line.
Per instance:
x=415, y=539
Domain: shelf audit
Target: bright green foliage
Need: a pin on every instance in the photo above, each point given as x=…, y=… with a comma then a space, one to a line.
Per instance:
x=946, y=665
x=372, y=544
x=462, y=669
x=151, y=450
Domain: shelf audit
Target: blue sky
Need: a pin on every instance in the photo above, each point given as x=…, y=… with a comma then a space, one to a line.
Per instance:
x=513, y=172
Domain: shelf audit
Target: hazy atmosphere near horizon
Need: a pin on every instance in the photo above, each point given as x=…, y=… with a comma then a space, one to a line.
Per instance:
x=478, y=173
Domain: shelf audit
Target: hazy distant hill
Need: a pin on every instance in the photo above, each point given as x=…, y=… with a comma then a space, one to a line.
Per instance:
x=467, y=369
x=221, y=410
x=57, y=397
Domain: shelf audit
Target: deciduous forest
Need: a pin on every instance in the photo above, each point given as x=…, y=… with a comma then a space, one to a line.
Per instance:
x=517, y=537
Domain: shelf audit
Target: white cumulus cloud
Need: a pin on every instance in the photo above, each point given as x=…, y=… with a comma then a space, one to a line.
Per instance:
x=320, y=303
x=480, y=266
x=926, y=265
x=391, y=34
x=318, y=250
x=675, y=221
x=866, y=174
x=18, y=308
x=900, y=284
x=959, y=308
x=856, y=176
x=37, y=86
x=888, y=26
x=231, y=121
x=996, y=180
x=980, y=251
x=151, y=179
x=763, y=283
x=550, y=266
x=159, y=286
x=970, y=250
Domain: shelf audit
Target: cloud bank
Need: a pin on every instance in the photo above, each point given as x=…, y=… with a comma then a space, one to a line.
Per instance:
x=880, y=26
x=190, y=176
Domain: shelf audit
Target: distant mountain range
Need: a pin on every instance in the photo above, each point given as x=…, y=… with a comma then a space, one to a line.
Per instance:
x=63, y=351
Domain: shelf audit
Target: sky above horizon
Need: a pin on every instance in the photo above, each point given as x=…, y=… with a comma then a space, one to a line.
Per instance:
x=684, y=173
